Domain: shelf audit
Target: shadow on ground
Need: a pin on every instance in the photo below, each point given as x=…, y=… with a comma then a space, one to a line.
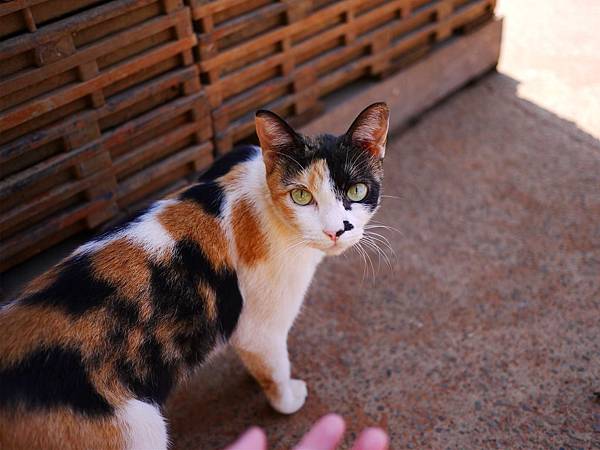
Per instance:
x=483, y=332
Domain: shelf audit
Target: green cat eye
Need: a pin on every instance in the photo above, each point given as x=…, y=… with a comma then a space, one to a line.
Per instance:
x=301, y=196
x=357, y=192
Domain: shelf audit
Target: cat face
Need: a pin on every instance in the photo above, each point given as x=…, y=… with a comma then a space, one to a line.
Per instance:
x=325, y=188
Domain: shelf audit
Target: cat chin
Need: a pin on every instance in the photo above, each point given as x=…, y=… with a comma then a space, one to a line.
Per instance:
x=335, y=250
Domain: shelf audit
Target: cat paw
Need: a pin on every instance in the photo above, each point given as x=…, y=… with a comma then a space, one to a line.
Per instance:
x=293, y=398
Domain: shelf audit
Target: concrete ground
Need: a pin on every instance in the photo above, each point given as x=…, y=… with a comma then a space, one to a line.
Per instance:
x=484, y=331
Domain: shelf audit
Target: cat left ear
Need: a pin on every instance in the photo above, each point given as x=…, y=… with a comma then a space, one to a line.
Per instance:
x=276, y=137
x=369, y=130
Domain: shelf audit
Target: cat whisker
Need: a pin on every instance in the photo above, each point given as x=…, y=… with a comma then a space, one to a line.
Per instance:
x=369, y=259
x=380, y=252
x=377, y=224
x=355, y=248
x=361, y=252
x=392, y=196
x=380, y=238
x=290, y=247
x=374, y=244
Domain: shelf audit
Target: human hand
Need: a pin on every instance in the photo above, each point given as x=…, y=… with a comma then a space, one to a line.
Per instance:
x=325, y=434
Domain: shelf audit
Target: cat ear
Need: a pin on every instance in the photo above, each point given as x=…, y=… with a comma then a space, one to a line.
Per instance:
x=275, y=135
x=369, y=130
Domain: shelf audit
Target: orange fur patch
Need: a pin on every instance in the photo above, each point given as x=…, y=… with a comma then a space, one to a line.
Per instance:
x=26, y=328
x=279, y=197
x=233, y=177
x=124, y=264
x=58, y=430
x=185, y=220
x=315, y=176
x=210, y=299
x=260, y=371
x=108, y=384
x=249, y=238
x=135, y=339
x=165, y=335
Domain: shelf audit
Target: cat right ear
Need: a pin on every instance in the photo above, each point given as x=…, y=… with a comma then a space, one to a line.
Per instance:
x=369, y=130
x=276, y=137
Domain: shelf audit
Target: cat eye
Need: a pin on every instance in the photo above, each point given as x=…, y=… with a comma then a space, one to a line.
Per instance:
x=357, y=192
x=301, y=196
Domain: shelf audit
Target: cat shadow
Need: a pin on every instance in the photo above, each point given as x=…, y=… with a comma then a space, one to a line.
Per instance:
x=201, y=410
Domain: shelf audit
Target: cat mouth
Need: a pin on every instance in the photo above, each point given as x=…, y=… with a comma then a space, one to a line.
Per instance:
x=332, y=248
x=336, y=248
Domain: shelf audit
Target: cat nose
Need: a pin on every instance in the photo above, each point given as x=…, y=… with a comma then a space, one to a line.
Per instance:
x=333, y=235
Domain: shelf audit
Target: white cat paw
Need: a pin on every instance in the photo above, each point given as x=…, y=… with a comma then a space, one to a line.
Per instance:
x=293, y=397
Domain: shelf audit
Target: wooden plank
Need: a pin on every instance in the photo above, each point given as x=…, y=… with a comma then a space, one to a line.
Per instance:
x=62, y=192
x=68, y=94
x=14, y=46
x=35, y=238
x=183, y=157
x=19, y=181
x=91, y=52
x=428, y=81
x=114, y=104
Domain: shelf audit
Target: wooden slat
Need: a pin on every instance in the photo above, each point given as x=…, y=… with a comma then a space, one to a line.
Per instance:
x=90, y=53
x=68, y=94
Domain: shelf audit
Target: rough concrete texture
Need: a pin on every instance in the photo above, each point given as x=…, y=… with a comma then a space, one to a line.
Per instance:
x=484, y=332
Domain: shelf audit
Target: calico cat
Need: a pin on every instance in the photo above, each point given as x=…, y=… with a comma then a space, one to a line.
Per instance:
x=90, y=350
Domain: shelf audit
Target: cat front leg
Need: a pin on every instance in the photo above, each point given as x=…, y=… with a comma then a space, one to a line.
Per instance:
x=265, y=356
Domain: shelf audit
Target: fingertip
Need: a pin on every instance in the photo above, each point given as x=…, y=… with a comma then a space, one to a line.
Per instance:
x=334, y=422
x=325, y=434
x=372, y=439
x=254, y=438
x=257, y=434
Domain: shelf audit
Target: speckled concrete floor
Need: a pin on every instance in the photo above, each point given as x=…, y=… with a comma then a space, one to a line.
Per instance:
x=484, y=332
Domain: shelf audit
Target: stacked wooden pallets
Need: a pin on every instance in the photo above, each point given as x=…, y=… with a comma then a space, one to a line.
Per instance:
x=289, y=55
x=100, y=105
x=106, y=103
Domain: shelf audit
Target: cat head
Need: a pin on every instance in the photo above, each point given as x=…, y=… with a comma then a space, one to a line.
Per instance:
x=325, y=188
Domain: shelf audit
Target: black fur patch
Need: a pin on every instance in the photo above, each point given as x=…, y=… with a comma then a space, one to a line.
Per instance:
x=75, y=289
x=159, y=377
x=125, y=313
x=174, y=284
x=209, y=195
x=226, y=162
x=229, y=302
x=224, y=283
x=339, y=153
x=175, y=293
x=51, y=377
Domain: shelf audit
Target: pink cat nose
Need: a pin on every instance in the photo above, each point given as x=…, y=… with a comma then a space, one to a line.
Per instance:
x=331, y=234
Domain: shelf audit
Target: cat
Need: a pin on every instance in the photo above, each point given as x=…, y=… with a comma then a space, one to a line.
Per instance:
x=91, y=349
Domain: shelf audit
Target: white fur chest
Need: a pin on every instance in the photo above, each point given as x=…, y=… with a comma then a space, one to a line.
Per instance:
x=273, y=291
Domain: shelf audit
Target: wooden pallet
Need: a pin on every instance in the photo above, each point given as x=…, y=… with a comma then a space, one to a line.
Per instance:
x=312, y=50
x=97, y=111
